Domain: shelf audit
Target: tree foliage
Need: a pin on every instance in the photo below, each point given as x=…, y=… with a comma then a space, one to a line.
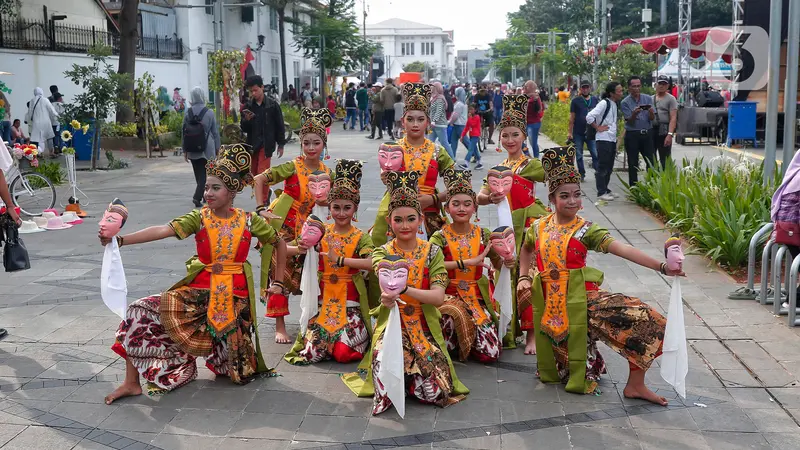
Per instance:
x=479, y=73
x=627, y=61
x=416, y=66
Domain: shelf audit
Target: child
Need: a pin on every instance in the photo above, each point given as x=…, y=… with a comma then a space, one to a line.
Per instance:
x=473, y=127
x=399, y=109
x=332, y=106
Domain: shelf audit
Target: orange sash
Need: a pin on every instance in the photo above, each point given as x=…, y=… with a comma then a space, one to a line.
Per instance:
x=335, y=279
x=224, y=237
x=418, y=159
x=463, y=247
x=553, y=242
x=411, y=313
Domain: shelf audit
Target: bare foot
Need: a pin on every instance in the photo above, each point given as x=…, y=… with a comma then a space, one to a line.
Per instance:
x=642, y=392
x=124, y=390
x=282, y=338
x=530, y=343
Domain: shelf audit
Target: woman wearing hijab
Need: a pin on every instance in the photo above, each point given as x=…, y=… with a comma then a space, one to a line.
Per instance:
x=459, y=118
x=785, y=203
x=199, y=111
x=438, y=116
x=42, y=116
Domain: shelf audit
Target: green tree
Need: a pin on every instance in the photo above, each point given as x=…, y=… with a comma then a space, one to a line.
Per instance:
x=102, y=87
x=479, y=73
x=416, y=66
x=627, y=61
x=129, y=38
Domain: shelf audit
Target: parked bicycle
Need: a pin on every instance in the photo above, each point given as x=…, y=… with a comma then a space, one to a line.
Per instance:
x=32, y=192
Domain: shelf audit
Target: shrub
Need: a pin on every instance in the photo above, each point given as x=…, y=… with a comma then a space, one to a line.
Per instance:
x=718, y=206
x=51, y=170
x=173, y=122
x=291, y=115
x=114, y=129
x=555, y=124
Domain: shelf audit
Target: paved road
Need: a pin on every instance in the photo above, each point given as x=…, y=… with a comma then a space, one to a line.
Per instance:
x=56, y=365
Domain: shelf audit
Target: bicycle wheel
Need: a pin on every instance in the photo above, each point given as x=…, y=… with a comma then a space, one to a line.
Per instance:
x=33, y=193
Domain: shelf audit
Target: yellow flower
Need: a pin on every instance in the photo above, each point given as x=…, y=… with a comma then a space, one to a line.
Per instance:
x=75, y=124
x=66, y=135
x=85, y=128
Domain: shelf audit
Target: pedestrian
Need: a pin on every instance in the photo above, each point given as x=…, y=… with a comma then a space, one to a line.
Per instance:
x=458, y=119
x=577, y=130
x=58, y=105
x=41, y=116
x=5, y=121
x=497, y=102
x=437, y=111
x=473, y=129
x=350, y=106
x=563, y=95
x=377, y=111
x=638, y=111
x=178, y=100
x=604, y=120
x=164, y=102
x=53, y=92
x=544, y=95
x=535, y=112
x=291, y=95
x=262, y=120
x=200, y=143
x=11, y=213
x=362, y=99
x=388, y=96
x=484, y=106
x=18, y=134
x=399, y=109
x=666, y=120
x=331, y=105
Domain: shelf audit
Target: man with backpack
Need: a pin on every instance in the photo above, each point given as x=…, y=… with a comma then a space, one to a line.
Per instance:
x=262, y=120
x=362, y=98
x=603, y=118
x=350, y=106
x=201, y=140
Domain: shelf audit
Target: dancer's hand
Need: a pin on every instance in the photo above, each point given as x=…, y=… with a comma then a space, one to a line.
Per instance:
x=388, y=300
x=268, y=215
x=510, y=263
x=104, y=240
x=275, y=289
x=301, y=248
x=478, y=260
x=675, y=273
x=496, y=198
x=523, y=285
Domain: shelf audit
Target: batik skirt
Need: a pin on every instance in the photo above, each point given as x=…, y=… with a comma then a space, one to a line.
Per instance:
x=464, y=336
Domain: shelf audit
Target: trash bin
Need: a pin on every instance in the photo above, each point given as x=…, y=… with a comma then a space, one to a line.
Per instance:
x=742, y=122
x=83, y=142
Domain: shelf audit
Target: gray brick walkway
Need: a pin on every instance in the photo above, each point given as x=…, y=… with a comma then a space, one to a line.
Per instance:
x=56, y=364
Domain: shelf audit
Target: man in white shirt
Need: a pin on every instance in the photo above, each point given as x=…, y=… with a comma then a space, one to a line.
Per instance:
x=604, y=119
x=5, y=164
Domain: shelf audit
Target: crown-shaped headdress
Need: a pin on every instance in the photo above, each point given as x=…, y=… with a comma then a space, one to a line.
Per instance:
x=417, y=97
x=403, y=190
x=315, y=121
x=515, y=110
x=559, y=167
x=347, y=181
x=232, y=167
x=458, y=181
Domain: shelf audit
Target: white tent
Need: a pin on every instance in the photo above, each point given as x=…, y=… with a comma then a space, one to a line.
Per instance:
x=717, y=69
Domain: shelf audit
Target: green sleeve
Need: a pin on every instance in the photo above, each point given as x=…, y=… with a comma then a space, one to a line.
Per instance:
x=262, y=231
x=437, y=239
x=533, y=171
x=364, y=247
x=530, y=236
x=597, y=238
x=279, y=173
x=443, y=159
x=187, y=224
x=377, y=256
x=437, y=274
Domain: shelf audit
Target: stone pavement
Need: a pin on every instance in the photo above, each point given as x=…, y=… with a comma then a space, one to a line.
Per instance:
x=56, y=364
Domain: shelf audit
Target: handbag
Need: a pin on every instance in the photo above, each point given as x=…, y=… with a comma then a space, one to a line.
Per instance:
x=15, y=254
x=787, y=233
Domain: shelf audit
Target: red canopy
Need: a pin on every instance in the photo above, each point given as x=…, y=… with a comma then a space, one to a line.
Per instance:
x=710, y=42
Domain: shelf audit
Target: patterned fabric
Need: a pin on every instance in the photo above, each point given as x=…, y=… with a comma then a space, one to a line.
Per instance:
x=336, y=281
x=402, y=188
x=484, y=347
x=347, y=181
x=232, y=167
x=416, y=96
x=559, y=165
x=463, y=282
x=788, y=210
x=515, y=108
x=224, y=237
x=315, y=121
x=458, y=181
x=348, y=346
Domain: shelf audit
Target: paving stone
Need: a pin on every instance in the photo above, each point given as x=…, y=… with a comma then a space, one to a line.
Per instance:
x=179, y=442
x=280, y=402
x=390, y=425
x=602, y=437
x=332, y=429
x=735, y=440
x=772, y=420
x=202, y=422
x=722, y=418
x=655, y=439
x=263, y=426
x=41, y=437
x=138, y=419
x=230, y=399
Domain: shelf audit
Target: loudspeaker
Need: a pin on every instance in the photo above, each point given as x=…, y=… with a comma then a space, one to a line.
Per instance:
x=710, y=99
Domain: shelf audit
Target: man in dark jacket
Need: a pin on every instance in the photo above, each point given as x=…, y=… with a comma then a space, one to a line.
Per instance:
x=262, y=120
x=363, y=99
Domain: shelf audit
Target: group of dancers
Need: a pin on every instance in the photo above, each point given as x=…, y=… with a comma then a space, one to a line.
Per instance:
x=426, y=254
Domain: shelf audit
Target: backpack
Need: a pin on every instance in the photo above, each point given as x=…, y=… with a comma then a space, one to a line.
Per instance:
x=350, y=98
x=590, y=133
x=195, y=136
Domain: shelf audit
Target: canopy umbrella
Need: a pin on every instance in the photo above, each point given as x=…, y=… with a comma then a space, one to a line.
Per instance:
x=711, y=42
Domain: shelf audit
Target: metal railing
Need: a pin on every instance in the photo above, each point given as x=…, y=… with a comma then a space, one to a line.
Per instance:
x=26, y=34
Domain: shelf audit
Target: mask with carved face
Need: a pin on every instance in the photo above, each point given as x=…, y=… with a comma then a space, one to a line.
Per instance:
x=674, y=253
x=393, y=274
x=319, y=184
x=390, y=157
x=500, y=179
x=113, y=219
x=503, y=242
x=312, y=232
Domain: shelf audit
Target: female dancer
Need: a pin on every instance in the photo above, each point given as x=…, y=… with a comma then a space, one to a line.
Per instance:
x=162, y=335
x=289, y=211
x=339, y=331
x=525, y=207
x=567, y=304
x=469, y=318
x=430, y=376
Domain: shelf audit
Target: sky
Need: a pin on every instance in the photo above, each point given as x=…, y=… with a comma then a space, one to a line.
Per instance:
x=475, y=24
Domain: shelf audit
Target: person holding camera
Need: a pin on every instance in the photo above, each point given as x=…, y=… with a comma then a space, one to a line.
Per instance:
x=638, y=111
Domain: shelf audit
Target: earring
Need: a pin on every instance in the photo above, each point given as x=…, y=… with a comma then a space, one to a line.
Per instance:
x=355, y=217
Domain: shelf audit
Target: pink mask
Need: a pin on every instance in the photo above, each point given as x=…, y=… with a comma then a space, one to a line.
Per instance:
x=500, y=180
x=312, y=232
x=390, y=157
x=503, y=242
x=110, y=224
x=393, y=276
x=319, y=184
x=674, y=254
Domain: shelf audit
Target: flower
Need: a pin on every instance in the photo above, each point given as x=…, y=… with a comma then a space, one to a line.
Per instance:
x=75, y=124
x=35, y=163
x=66, y=135
x=85, y=128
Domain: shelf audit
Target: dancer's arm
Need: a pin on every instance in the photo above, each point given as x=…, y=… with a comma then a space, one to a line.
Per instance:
x=637, y=256
x=149, y=234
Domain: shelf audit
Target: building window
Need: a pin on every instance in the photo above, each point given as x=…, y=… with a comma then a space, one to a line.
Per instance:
x=296, y=67
x=273, y=18
x=275, y=66
x=247, y=14
x=210, y=7
x=407, y=49
x=427, y=49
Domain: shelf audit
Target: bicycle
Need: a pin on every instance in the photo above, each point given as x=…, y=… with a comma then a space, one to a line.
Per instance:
x=483, y=142
x=32, y=192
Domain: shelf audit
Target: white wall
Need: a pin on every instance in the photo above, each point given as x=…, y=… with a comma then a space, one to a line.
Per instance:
x=45, y=68
x=195, y=28
x=78, y=12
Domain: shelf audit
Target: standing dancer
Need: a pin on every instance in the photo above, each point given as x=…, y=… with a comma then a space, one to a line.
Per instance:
x=469, y=318
x=525, y=207
x=429, y=373
x=162, y=335
x=571, y=312
x=341, y=329
x=289, y=211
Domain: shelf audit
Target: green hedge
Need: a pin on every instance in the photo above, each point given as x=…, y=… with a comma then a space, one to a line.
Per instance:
x=719, y=205
x=555, y=124
x=291, y=115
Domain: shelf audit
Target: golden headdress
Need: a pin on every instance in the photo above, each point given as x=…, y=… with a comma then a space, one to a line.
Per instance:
x=515, y=111
x=347, y=181
x=232, y=167
x=116, y=206
x=315, y=121
x=458, y=181
x=403, y=190
x=559, y=167
x=417, y=97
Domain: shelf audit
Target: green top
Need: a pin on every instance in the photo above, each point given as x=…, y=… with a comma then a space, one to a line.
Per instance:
x=280, y=172
x=595, y=238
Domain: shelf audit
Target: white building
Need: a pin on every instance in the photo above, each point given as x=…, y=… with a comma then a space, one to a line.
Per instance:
x=405, y=42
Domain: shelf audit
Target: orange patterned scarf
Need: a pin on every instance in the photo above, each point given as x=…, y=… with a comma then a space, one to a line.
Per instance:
x=411, y=313
x=336, y=279
x=224, y=237
x=466, y=246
